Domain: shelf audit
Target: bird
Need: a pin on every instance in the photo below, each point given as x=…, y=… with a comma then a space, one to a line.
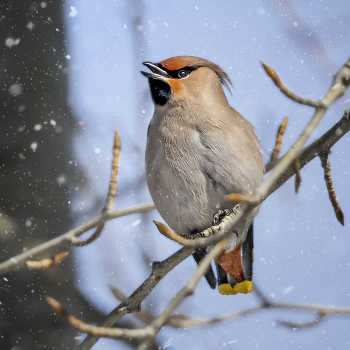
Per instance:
x=199, y=149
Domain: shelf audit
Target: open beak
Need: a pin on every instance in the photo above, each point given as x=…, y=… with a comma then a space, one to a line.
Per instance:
x=157, y=72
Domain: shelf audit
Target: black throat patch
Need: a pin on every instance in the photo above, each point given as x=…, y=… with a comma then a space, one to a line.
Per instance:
x=160, y=91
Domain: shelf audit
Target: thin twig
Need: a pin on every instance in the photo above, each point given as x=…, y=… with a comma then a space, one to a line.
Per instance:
x=302, y=325
x=279, y=138
x=283, y=88
x=112, y=194
x=45, y=263
x=112, y=189
x=326, y=165
x=82, y=243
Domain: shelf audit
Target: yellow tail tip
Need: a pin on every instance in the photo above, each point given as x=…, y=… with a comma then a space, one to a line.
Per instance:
x=244, y=287
x=226, y=289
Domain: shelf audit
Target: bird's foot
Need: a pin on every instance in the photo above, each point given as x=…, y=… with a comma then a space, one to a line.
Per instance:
x=219, y=215
x=194, y=234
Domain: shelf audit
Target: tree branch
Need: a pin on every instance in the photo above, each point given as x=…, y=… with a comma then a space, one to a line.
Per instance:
x=279, y=138
x=112, y=194
x=116, y=333
x=148, y=332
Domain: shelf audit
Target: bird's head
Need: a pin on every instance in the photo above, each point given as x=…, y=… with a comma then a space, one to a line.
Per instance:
x=185, y=77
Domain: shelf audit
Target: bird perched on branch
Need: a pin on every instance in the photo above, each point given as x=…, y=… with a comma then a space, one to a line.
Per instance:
x=199, y=149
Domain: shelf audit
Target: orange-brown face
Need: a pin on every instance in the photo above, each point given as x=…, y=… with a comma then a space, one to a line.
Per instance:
x=167, y=78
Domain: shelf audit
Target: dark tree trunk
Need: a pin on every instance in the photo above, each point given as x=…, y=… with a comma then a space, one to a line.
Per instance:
x=37, y=171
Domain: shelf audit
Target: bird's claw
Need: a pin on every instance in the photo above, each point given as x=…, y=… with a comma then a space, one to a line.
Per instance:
x=219, y=215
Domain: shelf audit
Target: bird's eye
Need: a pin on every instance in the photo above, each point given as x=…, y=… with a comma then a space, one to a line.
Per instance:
x=183, y=73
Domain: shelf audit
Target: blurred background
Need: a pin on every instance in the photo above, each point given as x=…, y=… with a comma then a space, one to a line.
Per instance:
x=70, y=73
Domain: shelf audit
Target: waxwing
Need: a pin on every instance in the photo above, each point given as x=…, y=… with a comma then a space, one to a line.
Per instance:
x=199, y=149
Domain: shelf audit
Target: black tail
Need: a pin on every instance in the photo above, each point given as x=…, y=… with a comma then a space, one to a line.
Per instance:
x=247, y=255
x=210, y=277
x=222, y=276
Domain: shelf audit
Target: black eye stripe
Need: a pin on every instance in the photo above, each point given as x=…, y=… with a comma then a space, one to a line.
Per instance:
x=175, y=73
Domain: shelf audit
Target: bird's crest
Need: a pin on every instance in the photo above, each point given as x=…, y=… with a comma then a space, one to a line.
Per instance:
x=178, y=62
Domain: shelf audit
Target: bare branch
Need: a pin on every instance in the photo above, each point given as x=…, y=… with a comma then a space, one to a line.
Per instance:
x=45, y=263
x=116, y=333
x=201, y=239
x=321, y=310
x=19, y=261
x=148, y=333
x=112, y=190
x=283, y=88
x=82, y=243
x=142, y=315
x=186, y=321
x=302, y=325
x=326, y=165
